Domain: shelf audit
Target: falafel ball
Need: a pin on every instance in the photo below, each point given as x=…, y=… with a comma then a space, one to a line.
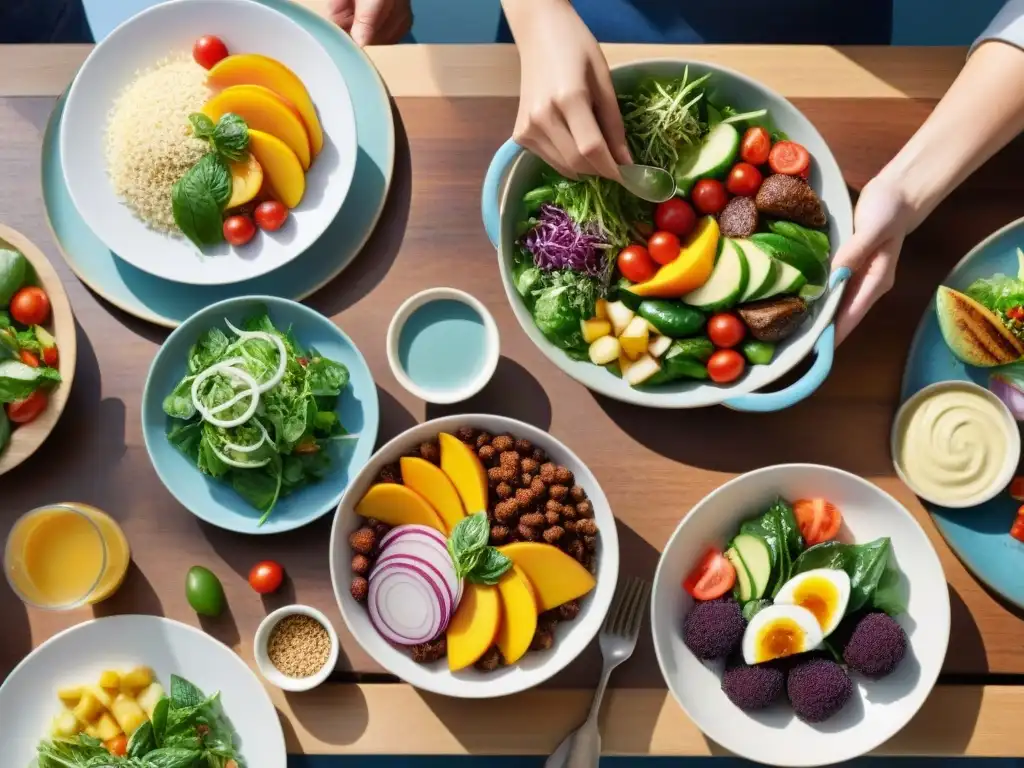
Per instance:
x=753, y=687
x=818, y=688
x=714, y=629
x=876, y=646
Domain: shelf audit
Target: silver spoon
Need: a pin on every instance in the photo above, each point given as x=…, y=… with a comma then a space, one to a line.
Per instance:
x=655, y=185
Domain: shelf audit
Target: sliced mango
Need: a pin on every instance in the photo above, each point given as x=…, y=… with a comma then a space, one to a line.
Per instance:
x=433, y=484
x=395, y=504
x=246, y=180
x=281, y=167
x=556, y=577
x=474, y=627
x=519, y=615
x=467, y=474
x=263, y=110
x=691, y=270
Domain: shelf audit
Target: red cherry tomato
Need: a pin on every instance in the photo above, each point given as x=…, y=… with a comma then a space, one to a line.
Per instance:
x=51, y=357
x=1017, y=529
x=712, y=578
x=24, y=411
x=208, y=50
x=636, y=264
x=789, y=158
x=709, y=196
x=117, y=745
x=726, y=330
x=30, y=306
x=744, y=180
x=725, y=365
x=664, y=247
x=756, y=145
x=31, y=359
x=818, y=520
x=266, y=577
x=675, y=216
x=238, y=230
x=271, y=215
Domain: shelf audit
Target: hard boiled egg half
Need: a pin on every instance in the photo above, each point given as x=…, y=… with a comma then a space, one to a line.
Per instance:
x=823, y=591
x=780, y=630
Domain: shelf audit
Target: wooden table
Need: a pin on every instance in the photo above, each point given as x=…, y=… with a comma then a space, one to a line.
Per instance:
x=454, y=106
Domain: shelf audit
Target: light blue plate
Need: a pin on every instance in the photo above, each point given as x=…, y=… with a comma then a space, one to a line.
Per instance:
x=979, y=536
x=217, y=503
x=166, y=303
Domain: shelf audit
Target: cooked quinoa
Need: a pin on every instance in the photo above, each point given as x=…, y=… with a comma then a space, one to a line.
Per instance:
x=149, y=145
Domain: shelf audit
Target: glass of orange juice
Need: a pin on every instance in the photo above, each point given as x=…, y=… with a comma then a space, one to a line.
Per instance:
x=63, y=556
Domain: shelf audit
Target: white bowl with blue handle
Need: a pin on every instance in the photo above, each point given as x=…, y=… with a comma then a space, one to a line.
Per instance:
x=513, y=172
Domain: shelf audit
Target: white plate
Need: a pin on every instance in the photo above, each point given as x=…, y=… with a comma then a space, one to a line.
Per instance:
x=138, y=44
x=28, y=698
x=878, y=708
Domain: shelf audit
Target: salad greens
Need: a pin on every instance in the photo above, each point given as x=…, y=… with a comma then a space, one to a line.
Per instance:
x=256, y=410
x=778, y=529
x=874, y=580
x=188, y=730
x=558, y=300
x=473, y=558
x=13, y=273
x=661, y=116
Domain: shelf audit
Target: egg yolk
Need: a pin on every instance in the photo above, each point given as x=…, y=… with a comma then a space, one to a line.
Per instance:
x=820, y=597
x=783, y=637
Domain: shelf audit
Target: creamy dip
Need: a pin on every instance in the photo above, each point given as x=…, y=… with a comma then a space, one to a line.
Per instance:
x=952, y=445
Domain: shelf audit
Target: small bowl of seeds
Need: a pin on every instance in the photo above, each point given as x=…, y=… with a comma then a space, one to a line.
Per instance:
x=296, y=648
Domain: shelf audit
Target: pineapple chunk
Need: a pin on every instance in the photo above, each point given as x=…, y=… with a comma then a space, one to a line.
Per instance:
x=70, y=696
x=659, y=345
x=65, y=726
x=110, y=680
x=128, y=713
x=107, y=728
x=624, y=364
x=595, y=329
x=101, y=695
x=149, y=698
x=642, y=370
x=92, y=731
x=89, y=708
x=601, y=309
x=620, y=316
x=136, y=680
x=635, y=338
x=605, y=350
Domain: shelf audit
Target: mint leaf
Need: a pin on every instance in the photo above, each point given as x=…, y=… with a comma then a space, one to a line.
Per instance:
x=468, y=541
x=489, y=569
x=202, y=126
x=184, y=694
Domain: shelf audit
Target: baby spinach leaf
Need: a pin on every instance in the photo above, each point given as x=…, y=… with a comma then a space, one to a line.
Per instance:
x=490, y=568
x=13, y=269
x=787, y=525
x=752, y=607
x=889, y=595
x=186, y=438
x=231, y=137
x=865, y=564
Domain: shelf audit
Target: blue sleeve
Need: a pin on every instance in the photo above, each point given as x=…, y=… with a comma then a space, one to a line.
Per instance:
x=1008, y=26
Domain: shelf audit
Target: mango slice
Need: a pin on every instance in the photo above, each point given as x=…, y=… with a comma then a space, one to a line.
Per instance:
x=691, y=270
x=467, y=474
x=433, y=485
x=246, y=180
x=519, y=619
x=556, y=577
x=281, y=167
x=473, y=628
x=395, y=504
x=263, y=110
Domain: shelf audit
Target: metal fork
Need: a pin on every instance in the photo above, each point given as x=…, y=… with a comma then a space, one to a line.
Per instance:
x=582, y=747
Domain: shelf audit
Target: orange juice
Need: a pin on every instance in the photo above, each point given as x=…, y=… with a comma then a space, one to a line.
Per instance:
x=66, y=555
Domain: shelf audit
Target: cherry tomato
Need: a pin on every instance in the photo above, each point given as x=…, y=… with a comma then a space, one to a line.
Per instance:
x=307, y=446
x=726, y=365
x=709, y=196
x=24, y=411
x=664, y=247
x=726, y=330
x=712, y=578
x=1017, y=529
x=636, y=264
x=208, y=50
x=117, y=745
x=756, y=145
x=789, y=158
x=818, y=519
x=271, y=215
x=744, y=180
x=266, y=577
x=238, y=230
x=1017, y=488
x=1015, y=313
x=30, y=306
x=675, y=216
x=51, y=356
x=31, y=359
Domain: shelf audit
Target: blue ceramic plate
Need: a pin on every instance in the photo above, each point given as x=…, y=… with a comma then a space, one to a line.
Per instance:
x=216, y=502
x=168, y=304
x=979, y=536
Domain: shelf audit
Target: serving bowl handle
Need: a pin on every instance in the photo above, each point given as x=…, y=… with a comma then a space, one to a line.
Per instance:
x=490, y=200
x=824, y=349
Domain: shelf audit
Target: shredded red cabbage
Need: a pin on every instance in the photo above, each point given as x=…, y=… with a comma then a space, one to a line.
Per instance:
x=558, y=242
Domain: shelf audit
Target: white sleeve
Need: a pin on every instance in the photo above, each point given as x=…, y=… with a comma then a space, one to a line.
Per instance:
x=1008, y=26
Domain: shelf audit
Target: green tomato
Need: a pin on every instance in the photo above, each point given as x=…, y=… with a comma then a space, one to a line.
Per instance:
x=204, y=591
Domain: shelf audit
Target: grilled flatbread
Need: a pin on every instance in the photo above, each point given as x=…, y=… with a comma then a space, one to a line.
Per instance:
x=974, y=334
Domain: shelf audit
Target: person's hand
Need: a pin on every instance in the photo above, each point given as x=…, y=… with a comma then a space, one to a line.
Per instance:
x=372, y=22
x=881, y=221
x=568, y=113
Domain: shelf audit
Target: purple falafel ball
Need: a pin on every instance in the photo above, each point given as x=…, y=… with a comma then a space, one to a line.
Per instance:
x=876, y=646
x=714, y=629
x=817, y=689
x=753, y=687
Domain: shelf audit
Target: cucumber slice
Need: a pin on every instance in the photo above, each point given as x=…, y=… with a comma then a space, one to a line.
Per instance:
x=757, y=561
x=794, y=253
x=712, y=158
x=762, y=270
x=787, y=280
x=727, y=282
x=744, y=589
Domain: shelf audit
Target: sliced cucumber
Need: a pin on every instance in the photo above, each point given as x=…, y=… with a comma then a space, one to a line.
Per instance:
x=727, y=283
x=757, y=560
x=762, y=270
x=787, y=280
x=712, y=158
x=794, y=253
x=744, y=589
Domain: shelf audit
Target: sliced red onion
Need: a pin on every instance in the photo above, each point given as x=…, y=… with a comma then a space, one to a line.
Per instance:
x=427, y=544
x=408, y=605
x=427, y=556
x=404, y=530
x=1007, y=391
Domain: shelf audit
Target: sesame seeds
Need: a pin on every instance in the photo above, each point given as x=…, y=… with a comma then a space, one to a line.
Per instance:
x=299, y=646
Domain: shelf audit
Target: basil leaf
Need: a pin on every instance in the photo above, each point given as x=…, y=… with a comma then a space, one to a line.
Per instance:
x=198, y=197
x=467, y=542
x=231, y=137
x=202, y=126
x=13, y=270
x=211, y=174
x=490, y=568
x=184, y=695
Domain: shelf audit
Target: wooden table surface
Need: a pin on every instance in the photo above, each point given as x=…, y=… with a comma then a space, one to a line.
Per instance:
x=453, y=108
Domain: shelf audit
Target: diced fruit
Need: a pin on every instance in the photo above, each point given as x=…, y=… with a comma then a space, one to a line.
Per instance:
x=106, y=727
x=1017, y=529
x=642, y=370
x=712, y=158
x=620, y=316
x=634, y=338
x=789, y=158
x=263, y=110
x=556, y=577
x=475, y=625
x=756, y=558
x=149, y=697
x=726, y=284
x=519, y=615
x=136, y=680
x=281, y=168
x=711, y=578
x=89, y=708
x=595, y=329
x=246, y=180
x=110, y=679
x=467, y=474
x=601, y=309
x=430, y=482
x=605, y=350
x=691, y=270
x=761, y=270
x=65, y=725
x=395, y=504
x=254, y=69
x=101, y=695
x=70, y=697
x=624, y=363
x=128, y=713
x=91, y=731
x=744, y=588
x=659, y=345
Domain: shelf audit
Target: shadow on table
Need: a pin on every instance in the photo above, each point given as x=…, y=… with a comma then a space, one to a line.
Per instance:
x=17, y=641
x=395, y=418
x=335, y=714
x=135, y=595
x=511, y=392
